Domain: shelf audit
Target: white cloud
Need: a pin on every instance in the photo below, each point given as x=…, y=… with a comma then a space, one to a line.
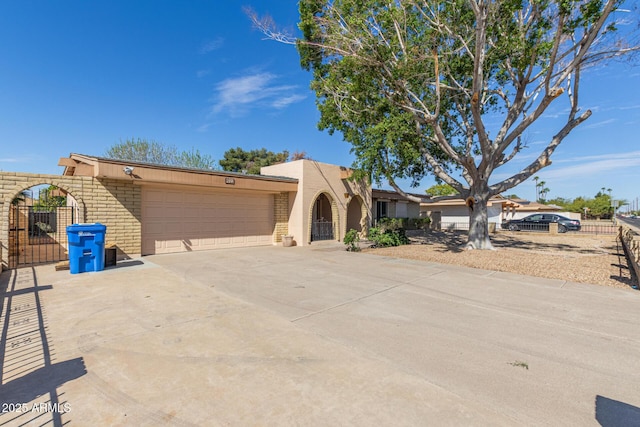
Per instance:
x=9, y=160
x=582, y=167
x=211, y=45
x=286, y=101
x=630, y=107
x=202, y=73
x=239, y=95
x=599, y=124
x=588, y=166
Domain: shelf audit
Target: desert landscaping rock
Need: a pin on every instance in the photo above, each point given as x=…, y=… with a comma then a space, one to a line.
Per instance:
x=575, y=258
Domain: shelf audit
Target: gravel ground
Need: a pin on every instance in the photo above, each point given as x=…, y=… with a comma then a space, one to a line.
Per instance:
x=586, y=259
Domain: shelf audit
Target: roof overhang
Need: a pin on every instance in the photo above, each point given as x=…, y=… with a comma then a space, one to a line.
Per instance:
x=388, y=195
x=145, y=173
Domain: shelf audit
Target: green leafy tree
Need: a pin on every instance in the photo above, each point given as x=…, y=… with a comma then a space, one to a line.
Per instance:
x=414, y=85
x=239, y=160
x=560, y=201
x=512, y=196
x=441, y=190
x=49, y=199
x=600, y=205
x=142, y=150
x=195, y=160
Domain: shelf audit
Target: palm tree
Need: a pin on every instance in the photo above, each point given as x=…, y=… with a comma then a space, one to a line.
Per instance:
x=543, y=194
x=540, y=192
x=536, y=178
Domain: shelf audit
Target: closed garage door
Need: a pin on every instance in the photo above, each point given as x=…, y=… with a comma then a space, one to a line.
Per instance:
x=175, y=220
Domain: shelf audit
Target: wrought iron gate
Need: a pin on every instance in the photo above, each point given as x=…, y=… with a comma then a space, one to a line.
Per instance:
x=321, y=230
x=38, y=235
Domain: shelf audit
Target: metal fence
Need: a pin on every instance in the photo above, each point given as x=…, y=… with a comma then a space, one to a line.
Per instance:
x=453, y=226
x=597, y=229
x=609, y=229
x=321, y=230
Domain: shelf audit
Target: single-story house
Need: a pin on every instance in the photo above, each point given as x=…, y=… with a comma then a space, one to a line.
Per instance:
x=154, y=209
x=390, y=204
x=454, y=213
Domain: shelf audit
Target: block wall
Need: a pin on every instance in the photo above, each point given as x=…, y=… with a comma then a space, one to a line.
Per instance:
x=117, y=204
x=281, y=216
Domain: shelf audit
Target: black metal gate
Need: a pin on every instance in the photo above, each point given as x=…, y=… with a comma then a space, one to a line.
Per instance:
x=38, y=235
x=321, y=230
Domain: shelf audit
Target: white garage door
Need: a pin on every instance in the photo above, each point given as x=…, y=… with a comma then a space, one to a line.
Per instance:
x=178, y=221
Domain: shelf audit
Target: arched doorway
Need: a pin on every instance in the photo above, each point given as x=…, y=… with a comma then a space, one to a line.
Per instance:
x=356, y=214
x=38, y=217
x=322, y=218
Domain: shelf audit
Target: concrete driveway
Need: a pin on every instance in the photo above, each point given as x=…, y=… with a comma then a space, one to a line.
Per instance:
x=314, y=336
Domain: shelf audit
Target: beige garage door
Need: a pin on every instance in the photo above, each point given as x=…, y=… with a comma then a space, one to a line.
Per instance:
x=175, y=220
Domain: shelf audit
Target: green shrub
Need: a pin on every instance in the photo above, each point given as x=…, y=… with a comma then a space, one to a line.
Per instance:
x=419, y=223
x=392, y=224
x=351, y=239
x=389, y=234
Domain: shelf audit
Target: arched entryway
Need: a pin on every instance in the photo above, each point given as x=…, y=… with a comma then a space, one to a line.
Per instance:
x=324, y=218
x=37, y=217
x=356, y=214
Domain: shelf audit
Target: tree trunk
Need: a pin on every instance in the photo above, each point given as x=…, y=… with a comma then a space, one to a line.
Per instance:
x=478, y=223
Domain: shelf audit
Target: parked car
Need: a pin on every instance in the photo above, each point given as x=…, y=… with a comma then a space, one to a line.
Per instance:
x=540, y=222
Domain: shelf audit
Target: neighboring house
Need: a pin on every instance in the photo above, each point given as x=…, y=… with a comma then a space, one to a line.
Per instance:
x=390, y=204
x=454, y=213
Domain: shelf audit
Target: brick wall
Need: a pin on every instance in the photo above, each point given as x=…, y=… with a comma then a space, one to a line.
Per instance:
x=281, y=216
x=116, y=204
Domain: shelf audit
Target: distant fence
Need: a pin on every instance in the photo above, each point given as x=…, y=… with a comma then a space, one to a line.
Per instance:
x=631, y=243
x=597, y=229
x=452, y=226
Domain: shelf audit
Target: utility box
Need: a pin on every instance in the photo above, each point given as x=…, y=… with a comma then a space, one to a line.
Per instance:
x=110, y=255
x=86, y=247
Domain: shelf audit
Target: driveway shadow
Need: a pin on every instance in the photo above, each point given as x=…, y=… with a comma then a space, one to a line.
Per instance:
x=29, y=376
x=613, y=413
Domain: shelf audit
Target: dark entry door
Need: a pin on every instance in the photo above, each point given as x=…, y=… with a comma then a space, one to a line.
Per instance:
x=322, y=221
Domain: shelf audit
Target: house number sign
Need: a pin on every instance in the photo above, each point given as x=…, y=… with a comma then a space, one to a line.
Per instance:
x=230, y=181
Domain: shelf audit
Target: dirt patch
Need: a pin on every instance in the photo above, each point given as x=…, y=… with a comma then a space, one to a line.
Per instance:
x=585, y=259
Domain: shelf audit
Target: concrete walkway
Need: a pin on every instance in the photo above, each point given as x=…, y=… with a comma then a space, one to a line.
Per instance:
x=314, y=336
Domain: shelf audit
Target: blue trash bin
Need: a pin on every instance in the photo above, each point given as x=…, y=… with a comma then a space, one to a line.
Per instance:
x=86, y=247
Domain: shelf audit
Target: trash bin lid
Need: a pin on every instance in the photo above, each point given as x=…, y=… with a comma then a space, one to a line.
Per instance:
x=95, y=227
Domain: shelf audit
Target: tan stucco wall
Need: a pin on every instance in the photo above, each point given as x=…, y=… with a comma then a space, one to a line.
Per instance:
x=315, y=178
x=115, y=204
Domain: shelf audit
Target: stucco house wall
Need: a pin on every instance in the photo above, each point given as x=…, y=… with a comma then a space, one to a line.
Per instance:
x=316, y=178
x=459, y=213
x=397, y=205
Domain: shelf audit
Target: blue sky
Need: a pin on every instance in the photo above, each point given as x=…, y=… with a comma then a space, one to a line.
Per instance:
x=79, y=76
